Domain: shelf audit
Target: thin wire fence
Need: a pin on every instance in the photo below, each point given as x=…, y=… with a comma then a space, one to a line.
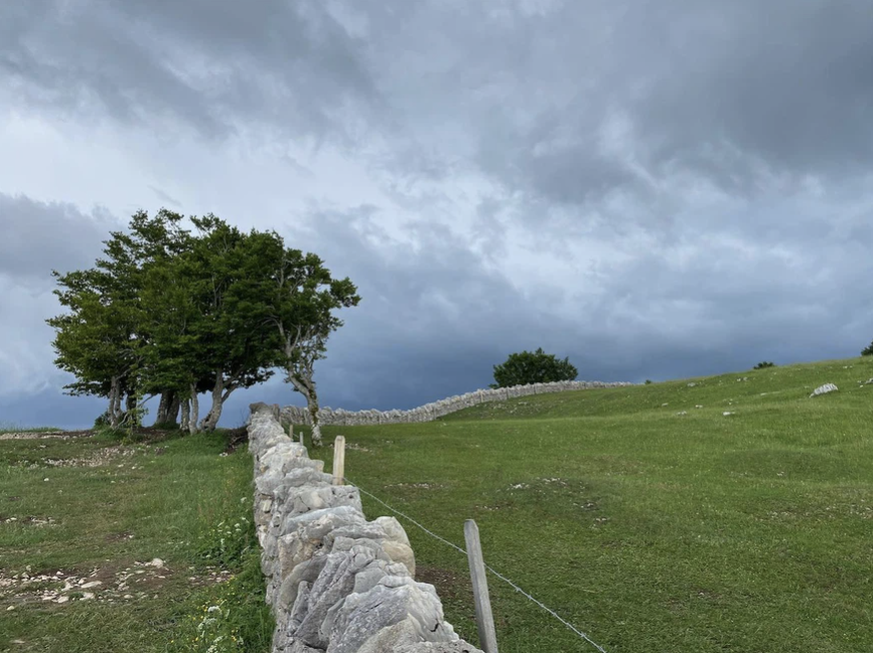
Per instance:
x=496, y=573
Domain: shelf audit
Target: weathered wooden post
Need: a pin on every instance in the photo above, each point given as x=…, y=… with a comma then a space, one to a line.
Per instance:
x=339, y=459
x=484, y=618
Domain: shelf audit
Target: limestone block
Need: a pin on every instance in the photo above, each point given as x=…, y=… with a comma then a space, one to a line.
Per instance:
x=823, y=389
x=300, y=607
x=385, y=530
x=389, y=639
x=299, y=647
x=394, y=599
x=286, y=593
x=459, y=646
x=308, y=537
x=334, y=584
x=309, y=498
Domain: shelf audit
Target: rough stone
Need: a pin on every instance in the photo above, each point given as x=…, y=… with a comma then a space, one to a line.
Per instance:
x=394, y=599
x=335, y=581
x=441, y=647
x=431, y=411
x=823, y=389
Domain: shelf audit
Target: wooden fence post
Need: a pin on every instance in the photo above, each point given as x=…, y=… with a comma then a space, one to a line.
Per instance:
x=484, y=618
x=339, y=459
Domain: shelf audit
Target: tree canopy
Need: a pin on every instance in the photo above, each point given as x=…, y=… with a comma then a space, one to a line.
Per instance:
x=178, y=307
x=526, y=367
x=867, y=351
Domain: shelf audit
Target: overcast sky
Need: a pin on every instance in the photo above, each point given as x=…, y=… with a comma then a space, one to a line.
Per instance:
x=654, y=189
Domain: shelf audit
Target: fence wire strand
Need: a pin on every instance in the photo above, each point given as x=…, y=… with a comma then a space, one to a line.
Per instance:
x=496, y=573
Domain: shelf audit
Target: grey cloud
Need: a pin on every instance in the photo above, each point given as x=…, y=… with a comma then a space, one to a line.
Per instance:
x=432, y=320
x=50, y=408
x=38, y=237
x=164, y=197
x=209, y=66
x=742, y=95
x=738, y=94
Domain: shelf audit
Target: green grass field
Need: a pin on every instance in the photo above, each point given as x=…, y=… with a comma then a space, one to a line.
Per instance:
x=650, y=530
x=96, y=512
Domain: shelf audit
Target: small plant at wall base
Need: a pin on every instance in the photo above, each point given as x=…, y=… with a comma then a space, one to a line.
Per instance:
x=526, y=367
x=868, y=351
x=227, y=542
x=763, y=365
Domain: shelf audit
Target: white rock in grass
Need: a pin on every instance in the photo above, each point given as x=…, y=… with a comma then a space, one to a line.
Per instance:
x=823, y=389
x=682, y=412
x=727, y=413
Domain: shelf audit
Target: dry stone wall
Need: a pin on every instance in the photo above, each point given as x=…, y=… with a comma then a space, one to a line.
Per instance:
x=433, y=410
x=336, y=582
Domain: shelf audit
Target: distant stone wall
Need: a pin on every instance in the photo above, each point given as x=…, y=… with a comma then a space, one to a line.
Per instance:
x=431, y=411
x=336, y=582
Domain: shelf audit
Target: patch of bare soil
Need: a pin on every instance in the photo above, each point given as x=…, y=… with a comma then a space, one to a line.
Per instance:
x=99, y=458
x=107, y=584
x=47, y=435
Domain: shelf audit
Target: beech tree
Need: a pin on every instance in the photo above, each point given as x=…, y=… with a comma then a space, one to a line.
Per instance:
x=235, y=347
x=94, y=342
x=527, y=367
x=102, y=339
x=299, y=299
x=176, y=313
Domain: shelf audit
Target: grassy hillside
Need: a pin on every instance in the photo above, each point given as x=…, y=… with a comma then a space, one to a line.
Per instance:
x=649, y=529
x=108, y=546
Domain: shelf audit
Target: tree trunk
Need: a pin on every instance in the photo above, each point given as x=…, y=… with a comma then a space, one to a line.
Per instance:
x=164, y=407
x=307, y=388
x=195, y=410
x=186, y=413
x=116, y=410
x=112, y=412
x=168, y=409
x=211, y=420
x=131, y=411
x=173, y=412
x=316, y=427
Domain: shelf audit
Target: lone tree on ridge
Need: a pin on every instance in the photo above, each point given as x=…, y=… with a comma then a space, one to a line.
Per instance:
x=527, y=367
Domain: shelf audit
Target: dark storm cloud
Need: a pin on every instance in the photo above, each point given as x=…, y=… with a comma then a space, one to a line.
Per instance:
x=432, y=319
x=593, y=99
x=50, y=408
x=206, y=65
x=38, y=237
x=734, y=93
